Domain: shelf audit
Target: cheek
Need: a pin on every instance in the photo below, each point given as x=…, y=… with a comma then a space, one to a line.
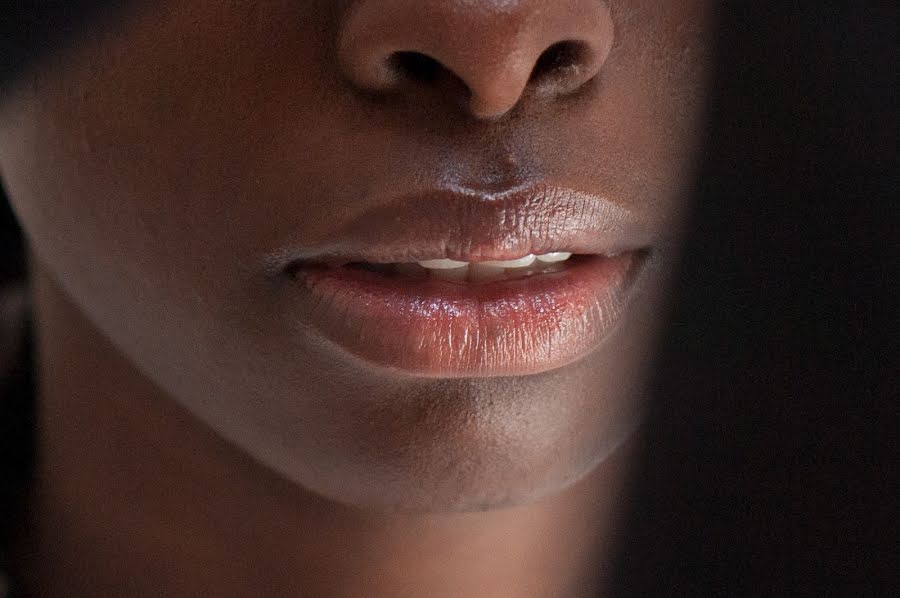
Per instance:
x=663, y=59
x=134, y=179
x=136, y=218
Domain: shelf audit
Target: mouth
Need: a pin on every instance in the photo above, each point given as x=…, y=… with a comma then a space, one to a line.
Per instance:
x=515, y=285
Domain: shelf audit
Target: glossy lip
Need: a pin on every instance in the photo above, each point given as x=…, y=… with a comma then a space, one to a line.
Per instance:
x=445, y=329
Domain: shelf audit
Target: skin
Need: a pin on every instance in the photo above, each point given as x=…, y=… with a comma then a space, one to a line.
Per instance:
x=157, y=162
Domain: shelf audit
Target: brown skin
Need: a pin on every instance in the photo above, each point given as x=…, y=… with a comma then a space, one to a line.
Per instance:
x=157, y=163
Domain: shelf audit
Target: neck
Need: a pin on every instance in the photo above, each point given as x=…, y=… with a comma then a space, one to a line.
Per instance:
x=137, y=498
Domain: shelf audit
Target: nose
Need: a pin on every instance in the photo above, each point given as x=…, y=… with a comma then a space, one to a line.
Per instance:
x=486, y=53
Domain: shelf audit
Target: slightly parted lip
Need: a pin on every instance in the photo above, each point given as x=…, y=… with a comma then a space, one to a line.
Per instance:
x=472, y=226
x=516, y=327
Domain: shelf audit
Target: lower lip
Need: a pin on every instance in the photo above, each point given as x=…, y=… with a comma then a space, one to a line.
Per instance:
x=447, y=329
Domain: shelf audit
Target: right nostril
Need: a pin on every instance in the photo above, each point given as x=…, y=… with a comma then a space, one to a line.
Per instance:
x=416, y=67
x=560, y=61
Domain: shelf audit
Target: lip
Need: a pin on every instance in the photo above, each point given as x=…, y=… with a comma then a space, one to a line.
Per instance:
x=440, y=328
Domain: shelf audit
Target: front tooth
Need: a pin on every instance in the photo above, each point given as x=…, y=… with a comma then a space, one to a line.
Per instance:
x=559, y=256
x=522, y=262
x=443, y=264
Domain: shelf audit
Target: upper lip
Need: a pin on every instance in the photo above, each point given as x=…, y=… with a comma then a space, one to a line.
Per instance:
x=474, y=226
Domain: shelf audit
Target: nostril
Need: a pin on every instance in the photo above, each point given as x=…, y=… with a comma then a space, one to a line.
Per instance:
x=473, y=54
x=416, y=67
x=563, y=60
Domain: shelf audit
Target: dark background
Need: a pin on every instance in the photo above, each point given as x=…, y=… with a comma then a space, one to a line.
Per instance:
x=771, y=462
x=12, y=265
x=773, y=465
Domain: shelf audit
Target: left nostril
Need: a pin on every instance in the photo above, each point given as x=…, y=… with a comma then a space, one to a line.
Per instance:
x=416, y=67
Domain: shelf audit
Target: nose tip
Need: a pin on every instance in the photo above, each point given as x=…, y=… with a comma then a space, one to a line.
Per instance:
x=487, y=53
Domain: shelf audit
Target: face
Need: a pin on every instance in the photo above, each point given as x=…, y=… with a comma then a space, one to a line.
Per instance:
x=289, y=215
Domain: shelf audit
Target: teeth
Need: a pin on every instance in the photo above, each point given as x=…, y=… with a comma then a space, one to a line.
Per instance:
x=443, y=264
x=522, y=262
x=550, y=258
x=453, y=270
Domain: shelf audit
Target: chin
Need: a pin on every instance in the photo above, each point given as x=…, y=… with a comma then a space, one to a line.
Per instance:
x=457, y=445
